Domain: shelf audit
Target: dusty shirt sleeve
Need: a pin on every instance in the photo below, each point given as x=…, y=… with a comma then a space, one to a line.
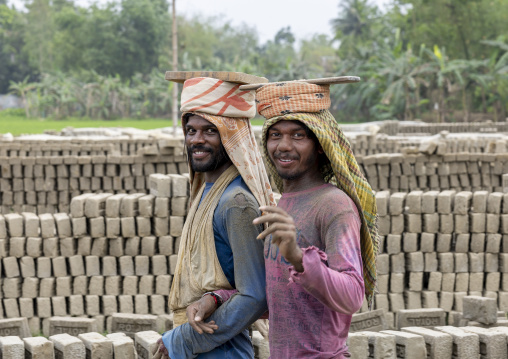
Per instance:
x=244, y=306
x=225, y=294
x=335, y=277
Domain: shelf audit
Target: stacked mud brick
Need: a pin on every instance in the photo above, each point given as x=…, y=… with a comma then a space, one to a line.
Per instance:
x=112, y=253
x=87, y=345
x=479, y=332
x=452, y=171
x=438, y=247
x=459, y=127
x=40, y=179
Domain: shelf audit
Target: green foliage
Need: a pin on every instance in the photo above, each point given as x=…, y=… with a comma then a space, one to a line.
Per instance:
x=430, y=59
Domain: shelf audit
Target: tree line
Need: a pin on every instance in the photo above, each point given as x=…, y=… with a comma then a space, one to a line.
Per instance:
x=437, y=60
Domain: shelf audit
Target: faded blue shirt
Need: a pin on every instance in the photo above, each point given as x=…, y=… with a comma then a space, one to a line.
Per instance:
x=240, y=255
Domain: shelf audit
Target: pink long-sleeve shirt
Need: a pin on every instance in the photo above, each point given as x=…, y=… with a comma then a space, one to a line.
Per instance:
x=310, y=312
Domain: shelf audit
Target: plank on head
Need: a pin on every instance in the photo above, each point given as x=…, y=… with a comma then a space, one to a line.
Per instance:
x=235, y=77
x=322, y=81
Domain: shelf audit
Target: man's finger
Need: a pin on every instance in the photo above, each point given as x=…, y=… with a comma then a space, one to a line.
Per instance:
x=191, y=317
x=273, y=218
x=200, y=313
x=208, y=328
x=270, y=209
x=277, y=227
x=281, y=236
x=158, y=354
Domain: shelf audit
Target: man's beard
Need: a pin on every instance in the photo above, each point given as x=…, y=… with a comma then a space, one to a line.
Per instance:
x=216, y=158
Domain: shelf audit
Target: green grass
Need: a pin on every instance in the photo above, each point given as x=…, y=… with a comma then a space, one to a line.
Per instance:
x=17, y=124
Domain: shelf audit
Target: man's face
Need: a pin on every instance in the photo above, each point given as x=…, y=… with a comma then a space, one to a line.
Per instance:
x=204, y=147
x=291, y=150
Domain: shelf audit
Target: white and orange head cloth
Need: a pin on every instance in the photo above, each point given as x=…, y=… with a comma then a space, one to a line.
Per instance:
x=229, y=109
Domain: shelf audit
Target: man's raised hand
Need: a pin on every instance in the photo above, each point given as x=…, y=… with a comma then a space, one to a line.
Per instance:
x=282, y=228
x=198, y=311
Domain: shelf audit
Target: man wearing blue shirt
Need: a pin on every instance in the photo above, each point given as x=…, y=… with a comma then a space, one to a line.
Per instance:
x=219, y=249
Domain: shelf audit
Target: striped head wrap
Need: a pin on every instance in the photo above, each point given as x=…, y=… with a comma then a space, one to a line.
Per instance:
x=229, y=109
x=309, y=103
x=217, y=97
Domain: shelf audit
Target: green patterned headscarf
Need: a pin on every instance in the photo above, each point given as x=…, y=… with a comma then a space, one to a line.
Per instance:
x=342, y=170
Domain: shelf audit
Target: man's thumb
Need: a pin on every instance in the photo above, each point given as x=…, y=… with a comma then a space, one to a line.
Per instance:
x=199, y=314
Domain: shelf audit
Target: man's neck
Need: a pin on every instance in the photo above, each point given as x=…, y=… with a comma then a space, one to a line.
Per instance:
x=303, y=183
x=212, y=176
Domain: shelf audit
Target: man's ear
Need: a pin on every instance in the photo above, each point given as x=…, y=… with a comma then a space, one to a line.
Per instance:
x=320, y=150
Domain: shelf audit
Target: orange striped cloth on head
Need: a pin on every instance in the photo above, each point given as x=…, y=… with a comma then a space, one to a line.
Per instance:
x=229, y=109
x=280, y=99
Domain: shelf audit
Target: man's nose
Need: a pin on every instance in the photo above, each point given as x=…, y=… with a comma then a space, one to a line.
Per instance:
x=197, y=138
x=285, y=144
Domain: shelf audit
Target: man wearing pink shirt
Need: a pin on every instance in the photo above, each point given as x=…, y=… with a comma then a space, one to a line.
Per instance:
x=321, y=241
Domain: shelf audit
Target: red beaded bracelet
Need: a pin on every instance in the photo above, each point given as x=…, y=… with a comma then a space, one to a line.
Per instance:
x=216, y=298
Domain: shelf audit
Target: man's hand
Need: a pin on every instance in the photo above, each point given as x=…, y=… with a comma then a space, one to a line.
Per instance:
x=160, y=351
x=283, y=231
x=198, y=311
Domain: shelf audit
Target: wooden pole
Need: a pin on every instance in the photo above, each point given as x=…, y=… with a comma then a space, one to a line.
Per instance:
x=175, y=68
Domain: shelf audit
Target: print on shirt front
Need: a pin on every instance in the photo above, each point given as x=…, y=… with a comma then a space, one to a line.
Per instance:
x=301, y=326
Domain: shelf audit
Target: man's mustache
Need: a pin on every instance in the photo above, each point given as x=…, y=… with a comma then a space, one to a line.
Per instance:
x=280, y=156
x=199, y=148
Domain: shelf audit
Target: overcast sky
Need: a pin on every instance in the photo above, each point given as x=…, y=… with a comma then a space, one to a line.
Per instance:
x=267, y=16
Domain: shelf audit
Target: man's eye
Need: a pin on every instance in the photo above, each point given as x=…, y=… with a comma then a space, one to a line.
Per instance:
x=210, y=130
x=274, y=134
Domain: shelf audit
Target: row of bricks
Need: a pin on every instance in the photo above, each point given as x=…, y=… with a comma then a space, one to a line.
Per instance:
x=40, y=208
x=448, y=301
x=444, y=202
x=443, y=262
x=432, y=161
x=43, y=267
x=87, y=166
x=60, y=201
x=440, y=169
x=432, y=242
x=92, y=345
x=444, y=342
x=127, y=227
x=36, y=247
x=123, y=144
x=443, y=223
x=51, y=190
x=97, y=285
x=436, y=183
x=445, y=282
x=165, y=190
x=60, y=225
x=74, y=266
x=41, y=189
x=90, y=305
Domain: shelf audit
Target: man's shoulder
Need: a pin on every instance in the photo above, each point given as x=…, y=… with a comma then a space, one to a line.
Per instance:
x=238, y=194
x=335, y=200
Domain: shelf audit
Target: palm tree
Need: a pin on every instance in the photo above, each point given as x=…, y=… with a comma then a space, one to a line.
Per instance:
x=21, y=89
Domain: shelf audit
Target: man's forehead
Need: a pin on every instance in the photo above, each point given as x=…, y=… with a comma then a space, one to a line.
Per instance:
x=288, y=124
x=196, y=120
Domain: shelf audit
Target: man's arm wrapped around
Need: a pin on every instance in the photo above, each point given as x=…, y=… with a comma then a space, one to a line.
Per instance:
x=244, y=306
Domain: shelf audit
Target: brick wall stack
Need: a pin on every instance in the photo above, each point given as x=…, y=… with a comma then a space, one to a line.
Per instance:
x=457, y=171
x=437, y=247
x=112, y=253
x=45, y=181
